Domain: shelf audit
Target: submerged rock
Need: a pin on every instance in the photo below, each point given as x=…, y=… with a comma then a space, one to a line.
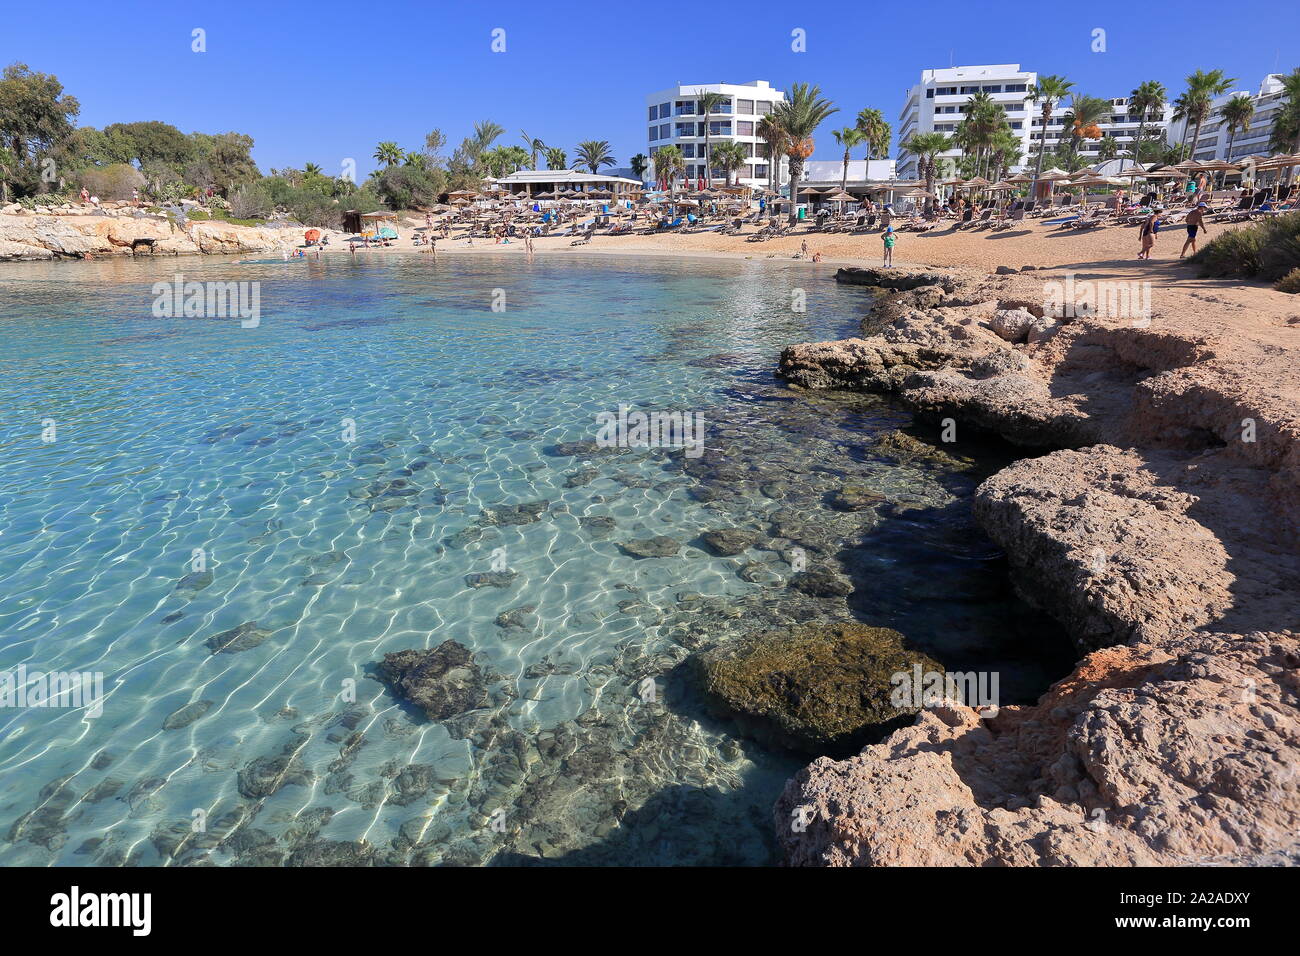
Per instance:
x=195, y=581
x=660, y=546
x=524, y=513
x=443, y=682
x=186, y=715
x=517, y=618
x=821, y=583
x=854, y=497
x=263, y=776
x=242, y=638
x=598, y=526
x=728, y=541
x=816, y=688
x=491, y=579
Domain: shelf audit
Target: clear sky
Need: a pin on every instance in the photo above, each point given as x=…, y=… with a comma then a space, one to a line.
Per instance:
x=323, y=81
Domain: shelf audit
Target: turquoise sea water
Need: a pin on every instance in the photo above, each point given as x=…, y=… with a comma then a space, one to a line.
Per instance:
x=333, y=548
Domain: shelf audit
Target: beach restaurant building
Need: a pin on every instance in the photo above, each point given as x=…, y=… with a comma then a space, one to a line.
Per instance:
x=528, y=183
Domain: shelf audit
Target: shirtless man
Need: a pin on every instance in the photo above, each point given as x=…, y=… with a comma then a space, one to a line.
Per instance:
x=1195, y=222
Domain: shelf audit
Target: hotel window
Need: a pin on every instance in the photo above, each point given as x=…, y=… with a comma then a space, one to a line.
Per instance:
x=665, y=110
x=744, y=127
x=929, y=95
x=996, y=88
x=1015, y=88
x=654, y=112
x=760, y=171
x=720, y=128
x=665, y=131
x=685, y=129
x=945, y=91
x=685, y=107
x=699, y=129
x=688, y=150
x=745, y=107
x=763, y=107
x=654, y=133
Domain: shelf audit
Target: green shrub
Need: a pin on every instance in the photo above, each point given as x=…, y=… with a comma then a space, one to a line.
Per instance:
x=112, y=182
x=253, y=201
x=1268, y=249
x=1290, y=282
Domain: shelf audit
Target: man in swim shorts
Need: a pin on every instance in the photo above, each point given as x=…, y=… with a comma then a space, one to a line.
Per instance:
x=1195, y=223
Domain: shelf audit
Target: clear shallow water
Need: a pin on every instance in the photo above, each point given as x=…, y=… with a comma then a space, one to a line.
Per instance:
x=177, y=434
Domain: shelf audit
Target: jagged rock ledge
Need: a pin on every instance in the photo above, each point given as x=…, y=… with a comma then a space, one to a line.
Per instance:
x=38, y=237
x=1163, y=542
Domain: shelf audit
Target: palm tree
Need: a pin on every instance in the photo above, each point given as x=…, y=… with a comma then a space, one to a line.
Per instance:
x=1084, y=118
x=1286, y=124
x=639, y=164
x=729, y=157
x=533, y=144
x=848, y=137
x=1004, y=152
x=556, y=158
x=1048, y=91
x=1194, y=105
x=876, y=133
x=983, y=119
x=774, y=135
x=799, y=116
x=706, y=102
x=594, y=153
x=311, y=169
x=1237, y=114
x=1148, y=98
x=1107, y=149
x=926, y=147
x=388, y=153
x=669, y=161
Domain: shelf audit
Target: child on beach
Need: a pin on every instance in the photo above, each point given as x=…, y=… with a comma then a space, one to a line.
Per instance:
x=889, y=237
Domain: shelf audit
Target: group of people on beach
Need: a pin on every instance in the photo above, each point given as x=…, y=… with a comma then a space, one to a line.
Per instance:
x=1194, y=221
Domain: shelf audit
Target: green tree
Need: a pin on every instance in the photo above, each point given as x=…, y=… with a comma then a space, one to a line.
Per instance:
x=729, y=157
x=556, y=158
x=669, y=162
x=1084, y=118
x=534, y=145
x=639, y=163
x=1194, y=105
x=706, y=103
x=594, y=153
x=926, y=147
x=877, y=132
x=1047, y=92
x=35, y=117
x=223, y=160
x=773, y=134
x=848, y=137
x=1146, y=100
x=388, y=153
x=799, y=116
x=1237, y=114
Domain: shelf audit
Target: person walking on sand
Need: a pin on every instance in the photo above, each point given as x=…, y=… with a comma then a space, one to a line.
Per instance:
x=1150, y=229
x=1195, y=223
x=889, y=237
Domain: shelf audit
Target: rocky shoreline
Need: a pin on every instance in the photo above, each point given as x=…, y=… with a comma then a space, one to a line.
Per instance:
x=1156, y=518
x=114, y=232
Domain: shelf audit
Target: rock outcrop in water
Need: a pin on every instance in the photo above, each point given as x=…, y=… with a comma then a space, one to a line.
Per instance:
x=37, y=236
x=816, y=688
x=443, y=682
x=1159, y=526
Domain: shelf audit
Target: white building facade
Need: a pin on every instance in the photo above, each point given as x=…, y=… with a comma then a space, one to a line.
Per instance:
x=1213, y=142
x=674, y=119
x=938, y=104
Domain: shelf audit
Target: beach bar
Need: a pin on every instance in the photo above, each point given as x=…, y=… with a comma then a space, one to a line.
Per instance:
x=527, y=183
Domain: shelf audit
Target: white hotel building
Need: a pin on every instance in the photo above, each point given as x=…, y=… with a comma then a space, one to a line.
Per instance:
x=938, y=103
x=674, y=120
x=1213, y=143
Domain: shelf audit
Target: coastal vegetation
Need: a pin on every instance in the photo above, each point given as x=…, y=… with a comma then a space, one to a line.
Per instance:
x=1268, y=250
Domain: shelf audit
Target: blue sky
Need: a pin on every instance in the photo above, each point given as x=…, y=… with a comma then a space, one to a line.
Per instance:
x=326, y=80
